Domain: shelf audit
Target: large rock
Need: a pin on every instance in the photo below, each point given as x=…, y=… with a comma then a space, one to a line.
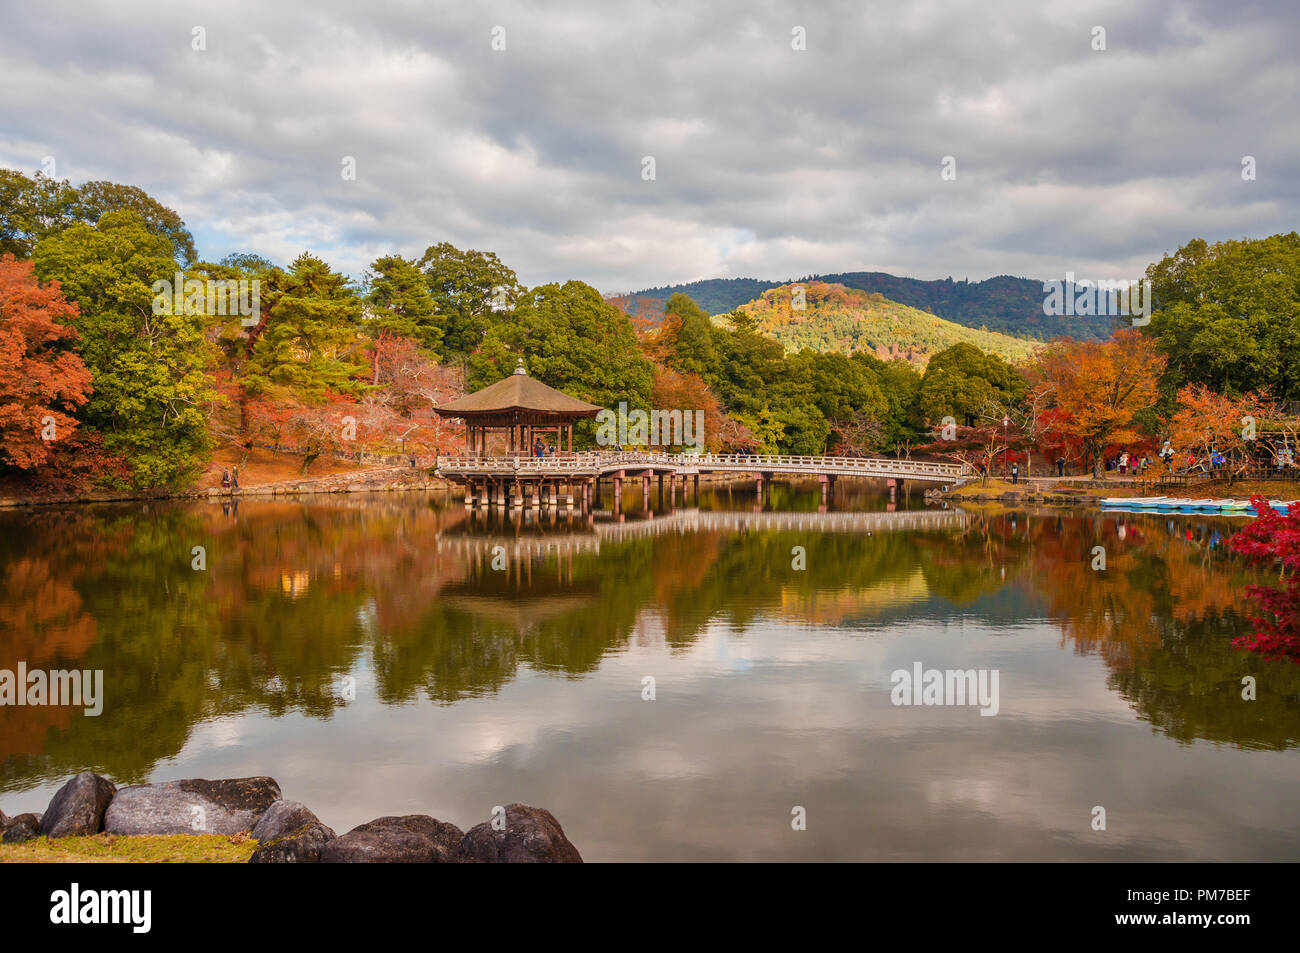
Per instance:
x=282, y=819
x=288, y=833
x=21, y=828
x=78, y=807
x=532, y=835
x=413, y=839
x=191, y=807
x=303, y=846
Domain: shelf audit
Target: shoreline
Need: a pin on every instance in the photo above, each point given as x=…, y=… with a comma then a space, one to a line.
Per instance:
x=247, y=820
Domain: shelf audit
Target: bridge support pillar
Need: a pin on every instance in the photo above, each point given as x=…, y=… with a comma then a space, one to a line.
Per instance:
x=645, y=490
x=469, y=494
x=618, y=492
x=537, y=495
x=827, y=481
x=893, y=490
x=697, y=487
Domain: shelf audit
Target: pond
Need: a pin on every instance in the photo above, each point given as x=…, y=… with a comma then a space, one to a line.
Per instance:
x=712, y=682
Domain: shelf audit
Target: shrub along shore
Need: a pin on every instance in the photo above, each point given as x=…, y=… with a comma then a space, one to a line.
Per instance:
x=246, y=820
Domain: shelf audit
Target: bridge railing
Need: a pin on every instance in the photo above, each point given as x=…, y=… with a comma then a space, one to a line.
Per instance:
x=598, y=460
x=821, y=464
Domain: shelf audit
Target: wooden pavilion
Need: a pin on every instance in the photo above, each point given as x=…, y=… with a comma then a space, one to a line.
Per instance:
x=522, y=407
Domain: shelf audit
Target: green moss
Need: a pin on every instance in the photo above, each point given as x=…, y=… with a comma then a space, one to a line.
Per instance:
x=136, y=849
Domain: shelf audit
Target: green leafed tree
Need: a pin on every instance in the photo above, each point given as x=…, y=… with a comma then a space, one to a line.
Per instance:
x=961, y=381
x=96, y=198
x=469, y=289
x=309, y=344
x=149, y=367
x=686, y=337
x=32, y=209
x=399, y=302
x=1228, y=315
x=35, y=208
x=572, y=339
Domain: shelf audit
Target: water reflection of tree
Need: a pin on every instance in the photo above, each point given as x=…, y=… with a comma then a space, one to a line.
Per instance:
x=1162, y=616
x=294, y=596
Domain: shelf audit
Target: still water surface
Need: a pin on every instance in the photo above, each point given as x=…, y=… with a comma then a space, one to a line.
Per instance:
x=365, y=653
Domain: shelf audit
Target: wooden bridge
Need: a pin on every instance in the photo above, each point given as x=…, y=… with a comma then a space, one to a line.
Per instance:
x=517, y=480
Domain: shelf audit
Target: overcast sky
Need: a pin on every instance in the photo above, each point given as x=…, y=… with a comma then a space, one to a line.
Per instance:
x=770, y=162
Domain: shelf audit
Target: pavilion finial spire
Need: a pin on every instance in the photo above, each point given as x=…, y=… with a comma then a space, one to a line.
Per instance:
x=519, y=367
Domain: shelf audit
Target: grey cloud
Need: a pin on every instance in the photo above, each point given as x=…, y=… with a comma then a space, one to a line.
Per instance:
x=770, y=162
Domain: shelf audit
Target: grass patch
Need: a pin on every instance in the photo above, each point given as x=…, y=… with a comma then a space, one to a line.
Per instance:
x=133, y=849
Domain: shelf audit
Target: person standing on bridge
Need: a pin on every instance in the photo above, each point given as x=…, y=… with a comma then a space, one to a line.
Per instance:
x=1060, y=466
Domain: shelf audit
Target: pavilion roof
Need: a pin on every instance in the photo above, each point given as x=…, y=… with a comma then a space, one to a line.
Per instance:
x=518, y=392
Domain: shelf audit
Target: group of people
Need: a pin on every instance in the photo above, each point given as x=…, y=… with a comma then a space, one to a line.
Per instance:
x=230, y=479
x=1125, y=460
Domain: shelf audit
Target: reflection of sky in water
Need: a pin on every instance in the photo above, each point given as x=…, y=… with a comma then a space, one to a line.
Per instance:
x=793, y=708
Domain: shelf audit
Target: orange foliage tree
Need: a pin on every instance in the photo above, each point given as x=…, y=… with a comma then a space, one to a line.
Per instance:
x=1099, y=388
x=1206, y=421
x=670, y=390
x=42, y=380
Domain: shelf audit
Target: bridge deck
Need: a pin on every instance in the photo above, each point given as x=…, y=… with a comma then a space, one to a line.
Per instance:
x=596, y=464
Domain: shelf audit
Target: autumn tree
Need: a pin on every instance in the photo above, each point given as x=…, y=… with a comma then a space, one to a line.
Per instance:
x=980, y=447
x=1274, y=539
x=688, y=393
x=1100, y=387
x=409, y=385
x=42, y=380
x=856, y=433
x=1206, y=421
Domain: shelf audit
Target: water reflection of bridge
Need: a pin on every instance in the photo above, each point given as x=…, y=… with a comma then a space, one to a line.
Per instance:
x=520, y=538
x=520, y=480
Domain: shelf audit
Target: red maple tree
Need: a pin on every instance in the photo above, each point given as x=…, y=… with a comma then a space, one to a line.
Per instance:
x=1273, y=538
x=42, y=379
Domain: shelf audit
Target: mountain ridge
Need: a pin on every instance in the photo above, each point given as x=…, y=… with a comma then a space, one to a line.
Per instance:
x=1003, y=303
x=831, y=317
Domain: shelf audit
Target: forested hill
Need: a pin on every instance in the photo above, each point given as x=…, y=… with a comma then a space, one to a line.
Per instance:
x=836, y=318
x=1010, y=305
